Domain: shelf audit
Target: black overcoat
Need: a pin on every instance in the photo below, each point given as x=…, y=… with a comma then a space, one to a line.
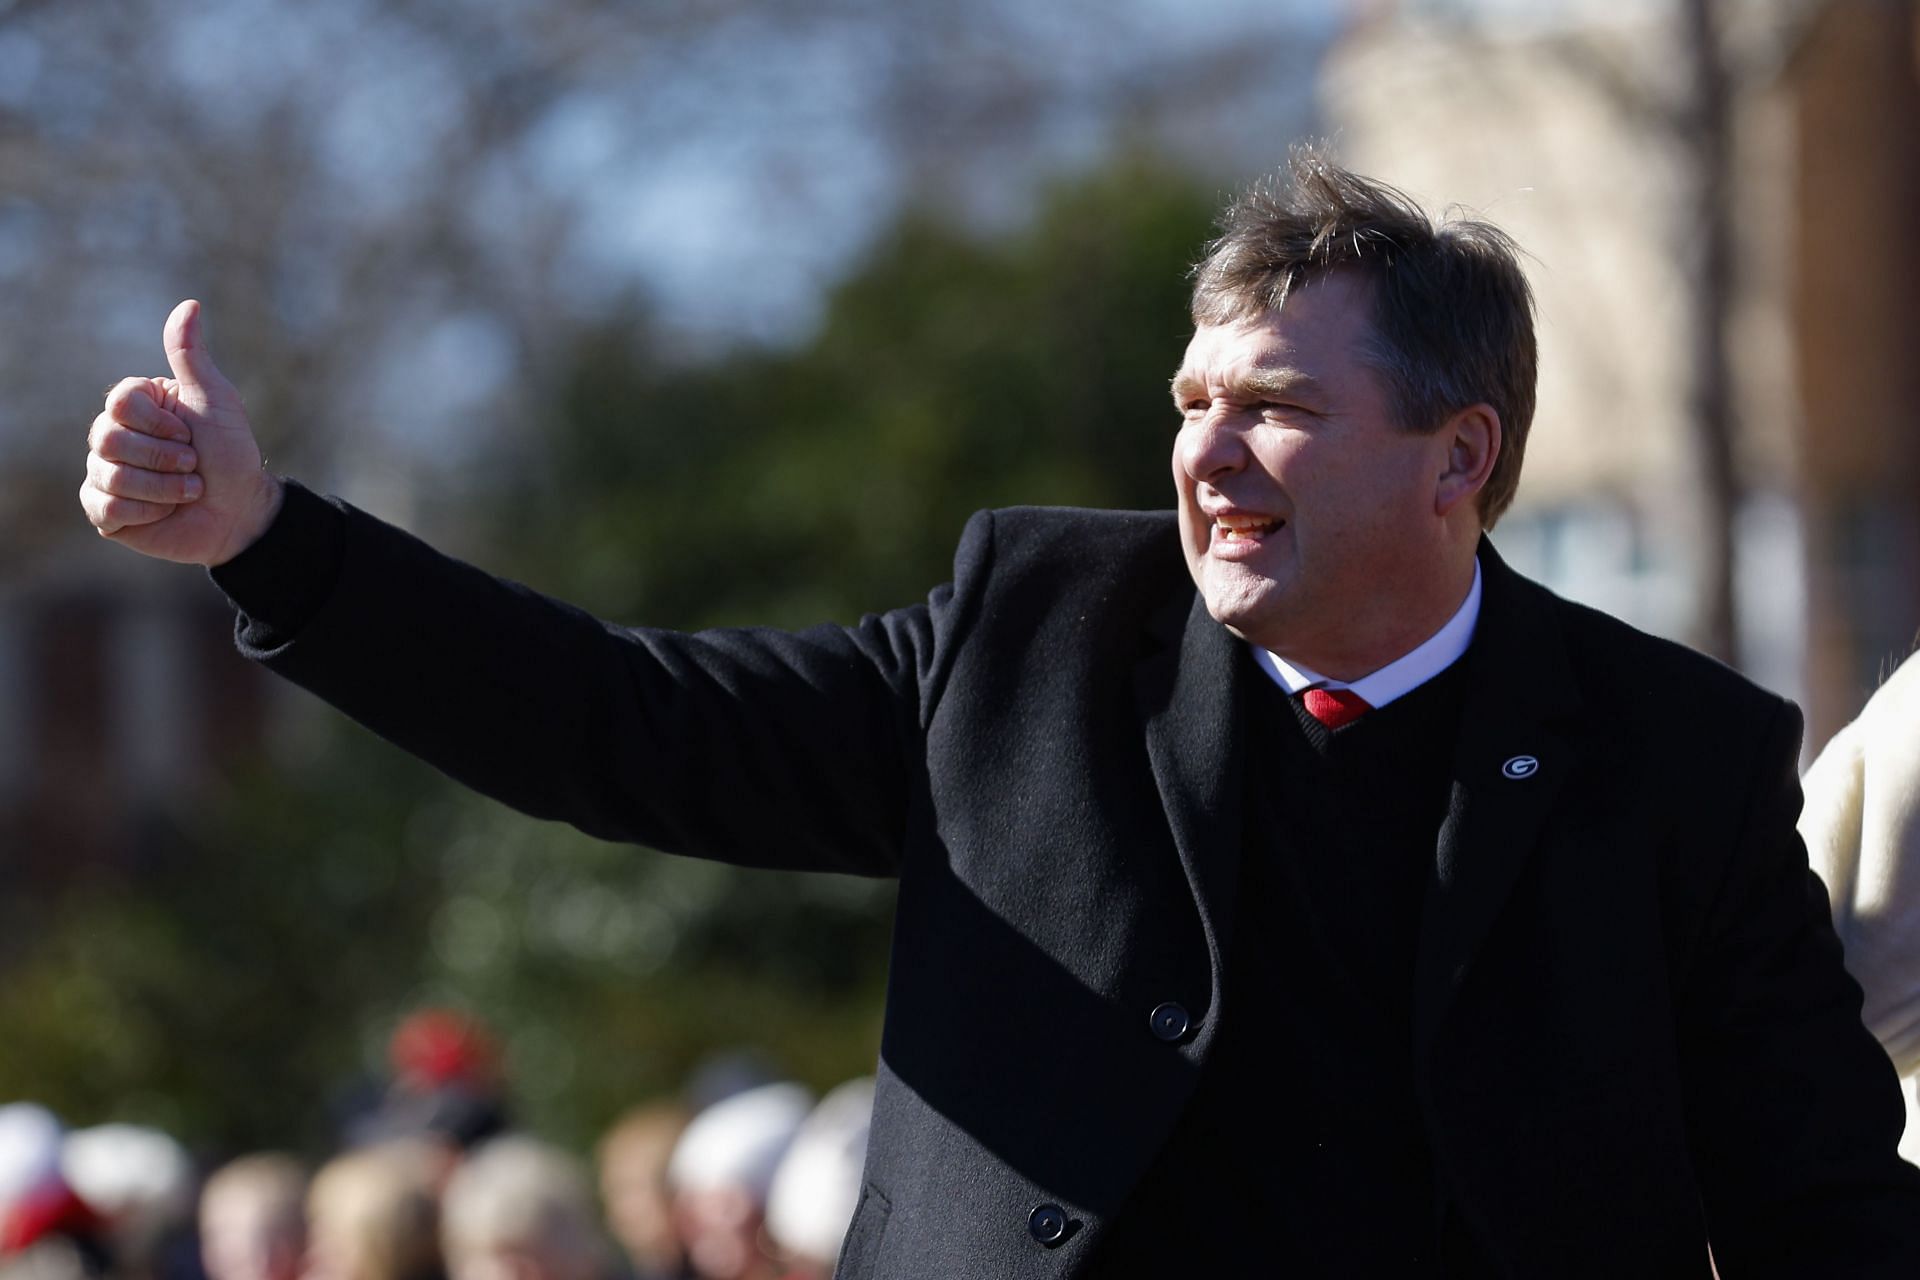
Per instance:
x=1632, y=1029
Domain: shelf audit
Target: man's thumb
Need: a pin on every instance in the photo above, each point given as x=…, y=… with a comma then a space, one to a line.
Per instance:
x=187, y=353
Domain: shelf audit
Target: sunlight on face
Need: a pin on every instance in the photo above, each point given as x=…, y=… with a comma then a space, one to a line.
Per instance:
x=1306, y=511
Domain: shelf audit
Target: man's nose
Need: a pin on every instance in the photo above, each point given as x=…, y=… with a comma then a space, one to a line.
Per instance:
x=1214, y=446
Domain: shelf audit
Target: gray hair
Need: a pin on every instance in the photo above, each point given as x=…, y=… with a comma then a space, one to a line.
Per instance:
x=271, y=1183
x=1452, y=321
x=519, y=1192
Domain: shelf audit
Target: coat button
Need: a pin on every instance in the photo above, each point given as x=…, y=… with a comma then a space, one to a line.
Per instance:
x=1048, y=1223
x=1169, y=1021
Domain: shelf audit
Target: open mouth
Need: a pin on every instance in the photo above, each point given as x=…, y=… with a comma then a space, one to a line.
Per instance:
x=1245, y=528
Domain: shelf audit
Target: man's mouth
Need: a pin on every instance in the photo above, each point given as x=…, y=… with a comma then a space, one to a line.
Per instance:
x=1244, y=528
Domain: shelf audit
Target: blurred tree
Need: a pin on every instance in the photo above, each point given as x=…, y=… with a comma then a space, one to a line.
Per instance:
x=267, y=958
x=951, y=372
x=402, y=213
x=217, y=994
x=1694, y=114
x=398, y=210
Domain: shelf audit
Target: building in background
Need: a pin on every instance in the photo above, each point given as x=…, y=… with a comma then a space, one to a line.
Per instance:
x=1851, y=93
x=1576, y=132
x=121, y=700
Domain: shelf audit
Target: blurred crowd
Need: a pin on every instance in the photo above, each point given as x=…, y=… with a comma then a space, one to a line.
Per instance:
x=742, y=1177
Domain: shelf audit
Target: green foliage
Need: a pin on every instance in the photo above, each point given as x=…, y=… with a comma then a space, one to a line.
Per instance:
x=950, y=374
x=218, y=992
x=231, y=991
x=614, y=971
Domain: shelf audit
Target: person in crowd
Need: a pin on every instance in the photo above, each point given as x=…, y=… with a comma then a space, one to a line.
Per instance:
x=141, y=1183
x=253, y=1218
x=446, y=1086
x=1287, y=885
x=817, y=1186
x=632, y=1159
x=521, y=1209
x=47, y=1230
x=719, y=1176
x=373, y=1214
x=1861, y=821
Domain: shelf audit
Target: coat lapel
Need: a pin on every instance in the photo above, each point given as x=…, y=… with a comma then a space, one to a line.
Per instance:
x=1190, y=697
x=1514, y=755
x=1520, y=694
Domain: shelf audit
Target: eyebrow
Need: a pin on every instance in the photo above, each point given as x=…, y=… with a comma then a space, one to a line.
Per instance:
x=1282, y=382
x=1276, y=381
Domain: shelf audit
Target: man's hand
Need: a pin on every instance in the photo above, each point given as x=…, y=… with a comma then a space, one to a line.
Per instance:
x=173, y=470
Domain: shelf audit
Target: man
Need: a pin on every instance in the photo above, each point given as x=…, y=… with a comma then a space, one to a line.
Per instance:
x=373, y=1213
x=720, y=1174
x=253, y=1219
x=632, y=1158
x=811, y=1199
x=1367, y=911
x=521, y=1209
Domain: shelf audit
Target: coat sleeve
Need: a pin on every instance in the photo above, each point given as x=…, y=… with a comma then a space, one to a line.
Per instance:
x=764, y=748
x=1862, y=827
x=1793, y=1110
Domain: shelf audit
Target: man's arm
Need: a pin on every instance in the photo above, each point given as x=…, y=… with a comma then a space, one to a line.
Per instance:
x=1862, y=827
x=1793, y=1109
x=759, y=747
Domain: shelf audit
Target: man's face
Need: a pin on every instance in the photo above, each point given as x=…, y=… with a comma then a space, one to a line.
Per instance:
x=246, y=1236
x=633, y=1189
x=1306, y=512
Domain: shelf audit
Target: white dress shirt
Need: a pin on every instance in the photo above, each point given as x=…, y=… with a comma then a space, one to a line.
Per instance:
x=1401, y=676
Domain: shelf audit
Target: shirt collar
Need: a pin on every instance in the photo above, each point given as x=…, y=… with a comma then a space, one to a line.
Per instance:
x=1401, y=676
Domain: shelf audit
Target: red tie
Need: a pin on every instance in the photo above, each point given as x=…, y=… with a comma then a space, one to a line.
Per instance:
x=1334, y=707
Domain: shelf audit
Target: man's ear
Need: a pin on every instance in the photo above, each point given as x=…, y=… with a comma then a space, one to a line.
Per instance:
x=1473, y=445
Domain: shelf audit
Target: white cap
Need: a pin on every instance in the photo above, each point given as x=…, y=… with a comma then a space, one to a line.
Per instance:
x=137, y=1178
x=738, y=1142
x=29, y=1152
x=817, y=1186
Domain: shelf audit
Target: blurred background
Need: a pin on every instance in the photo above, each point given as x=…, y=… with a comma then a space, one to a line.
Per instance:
x=571, y=287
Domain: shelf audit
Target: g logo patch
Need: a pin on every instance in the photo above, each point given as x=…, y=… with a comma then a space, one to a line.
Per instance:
x=1521, y=767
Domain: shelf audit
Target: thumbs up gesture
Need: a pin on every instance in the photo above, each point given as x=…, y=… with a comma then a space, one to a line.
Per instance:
x=173, y=470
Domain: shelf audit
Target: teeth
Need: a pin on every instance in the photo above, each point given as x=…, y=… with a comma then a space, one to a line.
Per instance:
x=1233, y=528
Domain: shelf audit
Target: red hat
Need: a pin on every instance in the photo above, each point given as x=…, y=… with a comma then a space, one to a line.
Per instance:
x=432, y=1048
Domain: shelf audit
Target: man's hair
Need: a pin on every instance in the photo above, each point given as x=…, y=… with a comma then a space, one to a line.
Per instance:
x=1452, y=321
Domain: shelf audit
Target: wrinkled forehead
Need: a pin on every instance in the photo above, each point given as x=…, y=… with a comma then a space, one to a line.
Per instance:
x=1317, y=334
x=1225, y=353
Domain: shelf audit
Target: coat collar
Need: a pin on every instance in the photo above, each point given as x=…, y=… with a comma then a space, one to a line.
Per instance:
x=1512, y=757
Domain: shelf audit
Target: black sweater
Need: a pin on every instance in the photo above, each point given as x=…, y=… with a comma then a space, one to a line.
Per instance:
x=1303, y=1143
